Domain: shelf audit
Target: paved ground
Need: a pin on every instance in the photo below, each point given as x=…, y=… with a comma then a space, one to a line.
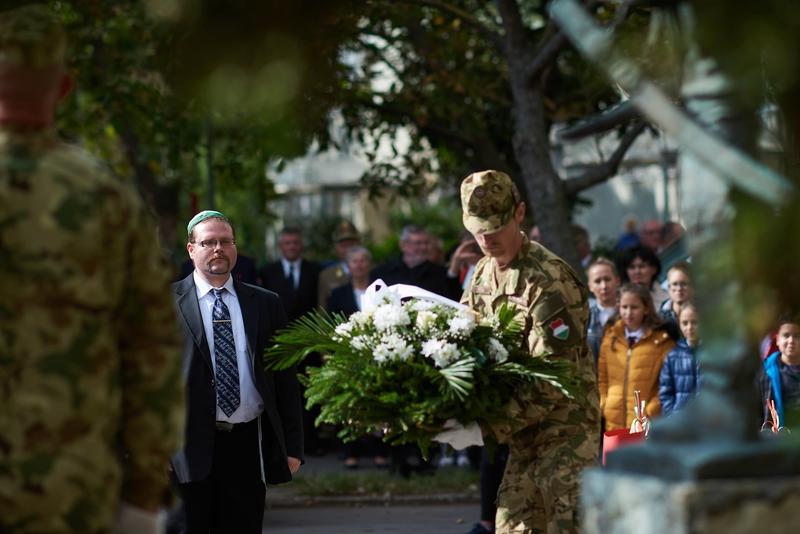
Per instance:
x=356, y=518
x=439, y=519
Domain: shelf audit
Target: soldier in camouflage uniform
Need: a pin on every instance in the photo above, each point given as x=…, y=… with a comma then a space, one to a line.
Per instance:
x=91, y=401
x=552, y=438
x=344, y=236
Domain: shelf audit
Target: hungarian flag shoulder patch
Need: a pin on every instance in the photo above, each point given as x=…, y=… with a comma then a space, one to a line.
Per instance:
x=560, y=329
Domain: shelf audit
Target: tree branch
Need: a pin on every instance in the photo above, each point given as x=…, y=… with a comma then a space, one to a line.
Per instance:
x=603, y=171
x=545, y=55
x=494, y=37
x=602, y=122
x=554, y=39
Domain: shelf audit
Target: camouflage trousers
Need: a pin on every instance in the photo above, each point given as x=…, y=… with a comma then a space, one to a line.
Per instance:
x=539, y=491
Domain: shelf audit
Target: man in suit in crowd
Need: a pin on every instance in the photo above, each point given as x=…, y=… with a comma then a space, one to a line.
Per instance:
x=293, y=278
x=345, y=236
x=243, y=424
x=414, y=267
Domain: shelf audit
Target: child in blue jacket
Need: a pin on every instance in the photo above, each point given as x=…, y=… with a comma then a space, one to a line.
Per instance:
x=780, y=379
x=680, y=375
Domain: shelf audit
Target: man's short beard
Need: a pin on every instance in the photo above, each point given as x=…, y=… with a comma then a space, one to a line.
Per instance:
x=210, y=268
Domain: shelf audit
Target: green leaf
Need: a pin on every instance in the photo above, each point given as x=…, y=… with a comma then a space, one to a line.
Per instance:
x=458, y=377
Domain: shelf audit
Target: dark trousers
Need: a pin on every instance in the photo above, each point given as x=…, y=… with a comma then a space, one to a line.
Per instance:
x=492, y=469
x=231, y=499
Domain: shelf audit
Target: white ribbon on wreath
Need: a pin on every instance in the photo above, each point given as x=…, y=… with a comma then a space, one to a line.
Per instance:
x=376, y=294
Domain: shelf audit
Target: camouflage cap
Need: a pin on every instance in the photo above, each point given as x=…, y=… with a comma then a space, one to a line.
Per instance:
x=345, y=230
x=31, y=36
x=488, y=200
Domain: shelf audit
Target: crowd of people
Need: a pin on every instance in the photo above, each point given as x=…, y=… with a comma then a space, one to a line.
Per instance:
x=644, y=332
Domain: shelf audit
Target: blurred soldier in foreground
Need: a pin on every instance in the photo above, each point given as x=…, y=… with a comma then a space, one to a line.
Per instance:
x=551, y=437
x=90, y=389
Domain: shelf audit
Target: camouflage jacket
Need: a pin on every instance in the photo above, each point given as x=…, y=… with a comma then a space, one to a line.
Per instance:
x=330, y=278
x=91, y=400
x=551, y=303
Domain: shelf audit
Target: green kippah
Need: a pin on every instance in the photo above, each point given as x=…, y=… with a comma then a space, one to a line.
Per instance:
x=202, y=216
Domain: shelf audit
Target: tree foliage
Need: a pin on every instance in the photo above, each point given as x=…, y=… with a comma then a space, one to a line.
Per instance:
x=445, y=73
x=192, y=98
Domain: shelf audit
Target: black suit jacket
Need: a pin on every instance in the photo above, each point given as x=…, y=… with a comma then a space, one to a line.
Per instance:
x=343, y=300
x=281, y=420
x=300, y=301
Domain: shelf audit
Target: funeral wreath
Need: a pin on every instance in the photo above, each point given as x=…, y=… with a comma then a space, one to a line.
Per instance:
x=409, y=362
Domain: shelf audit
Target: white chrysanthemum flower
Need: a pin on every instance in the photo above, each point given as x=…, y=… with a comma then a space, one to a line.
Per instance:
x=388, y=316
x=491, y=321
x=360, y=318
x=381, y=354
x=344, y=330
x=441, y=352
x=431, y=347
x=497, y=351
x=462, y=324
x=359, y=342
x=392, y=347
x=422, y=305
x=425, y=320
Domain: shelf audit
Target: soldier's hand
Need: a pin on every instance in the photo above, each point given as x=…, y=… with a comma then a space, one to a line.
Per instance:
x=467, y=253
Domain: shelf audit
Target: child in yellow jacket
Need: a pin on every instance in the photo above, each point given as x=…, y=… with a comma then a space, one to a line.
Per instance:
x=631, y=356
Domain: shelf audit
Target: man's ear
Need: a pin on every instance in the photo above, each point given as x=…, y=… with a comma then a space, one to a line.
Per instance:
x=519, y=212
x=65, y=86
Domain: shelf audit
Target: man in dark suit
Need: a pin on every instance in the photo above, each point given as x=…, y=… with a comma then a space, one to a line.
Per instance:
x=414, y=268
x=293, y=278
x=243, y=424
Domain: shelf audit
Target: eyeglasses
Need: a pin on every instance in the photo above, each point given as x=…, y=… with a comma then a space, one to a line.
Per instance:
x=214, y=243
x=677, y=285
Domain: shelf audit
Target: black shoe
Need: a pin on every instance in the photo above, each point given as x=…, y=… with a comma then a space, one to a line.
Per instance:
x=478, y=528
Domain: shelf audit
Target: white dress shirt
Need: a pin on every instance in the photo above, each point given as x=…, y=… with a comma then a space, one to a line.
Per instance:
x=358, y=294
x=250, y=402
x=295, y=274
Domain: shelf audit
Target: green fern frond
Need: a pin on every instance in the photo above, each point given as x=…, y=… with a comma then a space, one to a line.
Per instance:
x=310, y=333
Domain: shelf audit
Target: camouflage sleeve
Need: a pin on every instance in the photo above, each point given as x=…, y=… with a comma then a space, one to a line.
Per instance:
x=558, y=320
x=152, y=419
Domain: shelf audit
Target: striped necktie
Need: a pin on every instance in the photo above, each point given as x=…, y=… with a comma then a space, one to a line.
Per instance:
x=227, y=370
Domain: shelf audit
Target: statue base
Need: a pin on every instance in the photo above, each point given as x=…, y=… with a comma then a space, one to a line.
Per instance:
x=708, y=459
x=613, y=502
